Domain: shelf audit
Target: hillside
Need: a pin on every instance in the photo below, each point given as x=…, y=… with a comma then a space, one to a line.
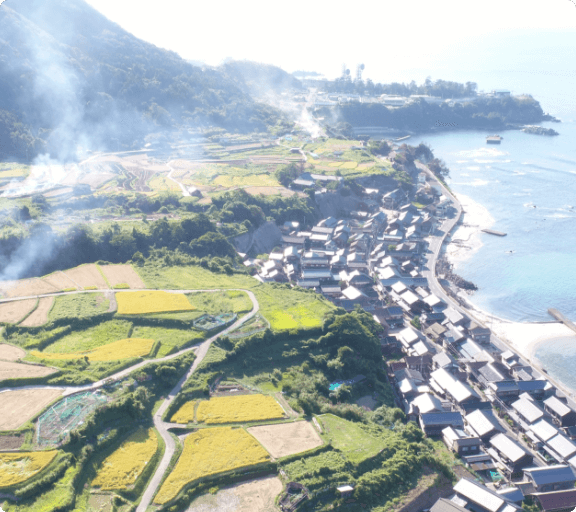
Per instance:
x=69, y=77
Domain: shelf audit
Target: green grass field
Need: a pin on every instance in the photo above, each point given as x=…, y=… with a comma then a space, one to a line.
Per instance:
x=350, y=439
x=78, y=306
x=215, y=303
x=169, y=338
x=91, y=338
x=285, y=308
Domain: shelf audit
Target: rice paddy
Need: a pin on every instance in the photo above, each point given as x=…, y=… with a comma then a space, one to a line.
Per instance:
x=238, y=409
x=141, y=303
x=16, y=468
x=117, y=350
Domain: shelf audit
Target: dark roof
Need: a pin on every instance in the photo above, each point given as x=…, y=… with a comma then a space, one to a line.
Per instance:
x=552, y=474
x=298, y=240
x=531, y=385
x=557, y=500
x=442, y=418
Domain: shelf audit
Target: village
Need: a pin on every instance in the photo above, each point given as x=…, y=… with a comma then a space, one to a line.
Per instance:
x=510, y=426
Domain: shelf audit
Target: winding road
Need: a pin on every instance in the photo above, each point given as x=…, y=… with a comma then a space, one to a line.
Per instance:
x=162, y=426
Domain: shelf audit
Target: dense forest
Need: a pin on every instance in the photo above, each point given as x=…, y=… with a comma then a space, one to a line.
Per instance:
x=69, y=77
x=419, y=116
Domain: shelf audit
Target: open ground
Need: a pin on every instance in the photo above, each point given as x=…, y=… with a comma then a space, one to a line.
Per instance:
x=10, y=352
x=21, y=405
x=14, y=312
x=12, y=370
x=287, y=438
x=39, y=316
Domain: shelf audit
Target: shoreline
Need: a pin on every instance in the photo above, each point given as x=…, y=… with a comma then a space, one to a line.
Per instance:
x=523, y=337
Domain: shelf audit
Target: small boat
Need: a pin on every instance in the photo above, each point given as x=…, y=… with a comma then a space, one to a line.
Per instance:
x=493, y=139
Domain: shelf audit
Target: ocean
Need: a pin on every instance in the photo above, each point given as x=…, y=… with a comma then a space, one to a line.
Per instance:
x=528, y=184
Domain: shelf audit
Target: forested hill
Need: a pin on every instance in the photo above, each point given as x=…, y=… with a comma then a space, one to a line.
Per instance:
x=69, y=76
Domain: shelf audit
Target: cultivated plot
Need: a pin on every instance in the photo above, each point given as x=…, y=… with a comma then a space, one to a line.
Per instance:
x=118, y=275
x=14, y=312
x=10, y=352
x=121, y=469
x=87, y=277
x=239, y=409
x=115, y=351
x=60, y=281
x=25, y=288
x=16, y=468
x=287, y=438
x=141, y=303
x=256, y=496
x=209, y=452
x=21, y=405
x=39, y=316
x=12, y=370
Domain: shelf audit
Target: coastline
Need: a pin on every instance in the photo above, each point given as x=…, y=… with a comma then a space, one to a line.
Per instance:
x=523, y=337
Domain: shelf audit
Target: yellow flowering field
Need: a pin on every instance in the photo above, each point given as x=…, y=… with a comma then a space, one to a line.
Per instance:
x=121, y=349
x=140, y=303
x=185, y=414
x=209, y=452
x=19, y=467
x=238, y=409
x=122, y=468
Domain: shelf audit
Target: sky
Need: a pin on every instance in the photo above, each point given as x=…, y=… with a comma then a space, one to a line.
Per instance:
x=320, y=35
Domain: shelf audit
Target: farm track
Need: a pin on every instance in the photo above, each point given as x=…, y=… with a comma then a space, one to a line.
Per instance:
x=163, y=427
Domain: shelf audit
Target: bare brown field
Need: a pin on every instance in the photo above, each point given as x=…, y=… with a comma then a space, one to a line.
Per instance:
x=13, y=312
x=286, y=438
x=255, y=496
x=22, y=405
x=40, y=315
x=10, y=352
x=87, y=276
x=120, y=274
x=270, y=191
x=60, y=281
x=26, y=288
x=11, y=442
x=11, y=370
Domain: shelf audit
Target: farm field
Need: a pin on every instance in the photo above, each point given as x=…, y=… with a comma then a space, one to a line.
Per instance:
x=87, y=276
x=238, y=409
x=285, y=308
x=25, y=288
x=255, y=496
x=287, y=438
x=307, y=467
x=208, y=452
x=91, y=338
x=60, y=281
x=215, y=303
x=350, y=439
x=122, y=468
x=10, y=352
x=170, y=339
x=185, y=414
x=40, y=315
x=117, y=350
x=82, y=305
x=140, y=303
x=255, y=180
x=21, y=405
x=121, y=274
x=12, y=370
x=14, y=312
x=16, y=468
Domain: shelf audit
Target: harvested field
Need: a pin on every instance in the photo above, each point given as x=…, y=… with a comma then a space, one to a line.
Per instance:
x=121, y=469
x=25, y=288
x=122, y=349
x=40, y=315
x=10, y=352
x=11, y=442
x=14, y=312
x=122, y=274
x=60, y=281
x=11, y=370
x=86, y=276
x=256, y=496
x=140, y=303
x=239, y=409
x=209, y=452
x=22, y=405
x=287, y=438
x=19, y=467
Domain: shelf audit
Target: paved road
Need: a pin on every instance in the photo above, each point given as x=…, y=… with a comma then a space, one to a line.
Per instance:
x=185, y=192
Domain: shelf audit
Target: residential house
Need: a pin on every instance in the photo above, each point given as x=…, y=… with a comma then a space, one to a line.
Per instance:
x=434, y=423
x=528, y=410
x=563, y=415
x=479, y=333
x=445, y=505
x=511, y=455
x=393, y=315
x=557, y=501
x=444, y=360
x=551, y=478
x=459, y=392
x=355, y=296
x=560, y=448
x=540, y=433
x=424, y=404
x=483, y=424
x=434, y=331
x=474, y=496
x=538, y=389
x=461, y=443
x=505, y=390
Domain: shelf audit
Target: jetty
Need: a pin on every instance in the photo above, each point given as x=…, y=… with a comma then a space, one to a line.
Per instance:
x=561, y=318
x=493, y=232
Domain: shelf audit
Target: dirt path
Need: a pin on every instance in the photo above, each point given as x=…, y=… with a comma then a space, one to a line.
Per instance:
x=185, y=192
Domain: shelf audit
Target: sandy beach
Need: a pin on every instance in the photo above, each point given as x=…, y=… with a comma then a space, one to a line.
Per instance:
x=523, y=337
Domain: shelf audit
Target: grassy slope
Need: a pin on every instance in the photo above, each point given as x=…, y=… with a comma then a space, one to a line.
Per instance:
x=78, y=306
